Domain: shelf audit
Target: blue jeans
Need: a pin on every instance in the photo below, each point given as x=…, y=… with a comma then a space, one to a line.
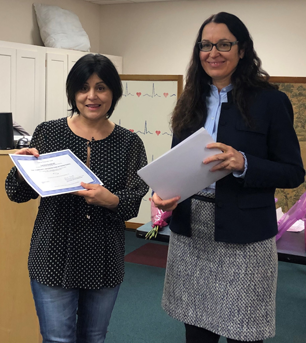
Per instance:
x=73, y=315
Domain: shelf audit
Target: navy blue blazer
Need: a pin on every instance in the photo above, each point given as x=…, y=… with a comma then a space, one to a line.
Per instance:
x=245, y=208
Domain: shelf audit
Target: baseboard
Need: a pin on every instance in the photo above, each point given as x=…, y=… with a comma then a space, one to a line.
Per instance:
x=132, y=226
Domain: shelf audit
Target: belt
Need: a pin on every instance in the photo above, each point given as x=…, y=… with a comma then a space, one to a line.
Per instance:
x=203, y=198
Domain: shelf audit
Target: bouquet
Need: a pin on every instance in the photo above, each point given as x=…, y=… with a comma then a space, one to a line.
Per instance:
x=296, y=212
x=159, y=219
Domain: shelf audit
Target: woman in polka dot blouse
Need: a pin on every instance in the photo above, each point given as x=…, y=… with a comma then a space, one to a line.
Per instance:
x=76, y=259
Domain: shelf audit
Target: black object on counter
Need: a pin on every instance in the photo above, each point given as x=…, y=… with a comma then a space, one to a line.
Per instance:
x=6, y=131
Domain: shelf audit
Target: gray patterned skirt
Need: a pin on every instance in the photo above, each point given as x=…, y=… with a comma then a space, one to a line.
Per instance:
x=228, y=289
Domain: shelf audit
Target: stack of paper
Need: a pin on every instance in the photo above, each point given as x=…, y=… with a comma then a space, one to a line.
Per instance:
x=180, y=171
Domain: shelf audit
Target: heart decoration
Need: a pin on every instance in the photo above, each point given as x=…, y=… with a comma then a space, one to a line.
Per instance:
x=138, y=94
x=131, y=130
x=166, y=94
x=158, y=133
x=150, y=199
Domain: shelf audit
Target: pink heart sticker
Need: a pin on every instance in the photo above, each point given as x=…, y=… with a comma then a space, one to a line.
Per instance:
x=131, y=130
x=158, y=133
x=138, y=94
x=166, y=94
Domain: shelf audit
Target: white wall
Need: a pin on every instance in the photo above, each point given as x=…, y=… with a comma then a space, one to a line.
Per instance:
x=157, y=38
x=18, y=20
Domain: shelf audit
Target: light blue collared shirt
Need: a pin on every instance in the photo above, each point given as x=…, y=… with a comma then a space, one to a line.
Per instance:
x=213, y=103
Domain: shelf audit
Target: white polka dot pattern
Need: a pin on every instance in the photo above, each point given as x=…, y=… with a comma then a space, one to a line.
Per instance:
x=74, y=244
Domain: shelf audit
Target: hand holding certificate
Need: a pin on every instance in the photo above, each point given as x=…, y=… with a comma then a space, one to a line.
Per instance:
x=54, y=173
x=180, y=171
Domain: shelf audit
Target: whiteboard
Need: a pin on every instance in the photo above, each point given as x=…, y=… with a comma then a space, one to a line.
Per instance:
x=145, y=108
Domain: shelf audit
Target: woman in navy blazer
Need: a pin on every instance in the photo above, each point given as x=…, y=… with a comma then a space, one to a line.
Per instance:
x=222, y=261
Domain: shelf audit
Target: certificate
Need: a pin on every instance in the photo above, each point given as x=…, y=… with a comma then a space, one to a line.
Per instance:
x=54, y=173
x=181, y=171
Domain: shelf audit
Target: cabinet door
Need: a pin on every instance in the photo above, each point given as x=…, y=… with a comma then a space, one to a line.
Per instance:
x=117, y=61
x=8, y=80
x=56, y=74
x=30, y=89
x=73, y=57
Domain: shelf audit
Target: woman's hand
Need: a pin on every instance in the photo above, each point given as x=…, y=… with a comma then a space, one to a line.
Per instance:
x=25, y=151
x=98, y=195
x=165, y=205
x=230, y=158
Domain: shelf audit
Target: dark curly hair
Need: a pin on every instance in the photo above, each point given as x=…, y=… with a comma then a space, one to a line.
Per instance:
x=190, y=112
x=81, y=72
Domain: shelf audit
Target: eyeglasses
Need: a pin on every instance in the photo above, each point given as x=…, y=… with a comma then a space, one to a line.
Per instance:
x=220, y=46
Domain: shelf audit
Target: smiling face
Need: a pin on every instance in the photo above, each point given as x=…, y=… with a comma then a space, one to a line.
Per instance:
x=94, y=99
x=219, y=65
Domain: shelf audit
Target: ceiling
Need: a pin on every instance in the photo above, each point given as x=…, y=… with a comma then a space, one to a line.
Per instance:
x=113, y=2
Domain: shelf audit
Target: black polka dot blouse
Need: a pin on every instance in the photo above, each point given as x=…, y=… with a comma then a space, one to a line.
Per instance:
x=76, y=245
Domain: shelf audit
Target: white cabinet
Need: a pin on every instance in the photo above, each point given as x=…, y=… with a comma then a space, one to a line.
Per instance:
x=33, y=81
x=58, y=64
x=22, y=75
x=8, y=79
x=117, y=61
x=30, y=88
x=56, y=74
x=73, y=57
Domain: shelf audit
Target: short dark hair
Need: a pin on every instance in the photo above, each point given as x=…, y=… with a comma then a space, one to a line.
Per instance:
x=81, y=72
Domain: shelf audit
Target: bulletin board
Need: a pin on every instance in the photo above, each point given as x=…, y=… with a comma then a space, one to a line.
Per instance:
x=295, y=88
x=145, y=108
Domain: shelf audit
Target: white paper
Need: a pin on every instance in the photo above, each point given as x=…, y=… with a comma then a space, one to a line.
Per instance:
x=180, y=171
x=54, y=173
x=298, y=226
x=279, y=213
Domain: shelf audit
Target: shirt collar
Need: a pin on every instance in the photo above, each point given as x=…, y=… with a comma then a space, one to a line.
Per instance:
x=215, y=92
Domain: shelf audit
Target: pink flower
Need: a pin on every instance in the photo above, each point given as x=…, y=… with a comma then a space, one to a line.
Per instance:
x=159, y=219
